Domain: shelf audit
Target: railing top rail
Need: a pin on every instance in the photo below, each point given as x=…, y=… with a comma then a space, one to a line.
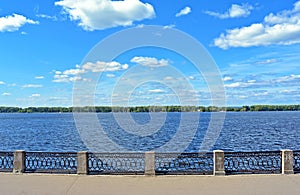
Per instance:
x=253, y=152
x=116, y=153
x=6, y=152
x=183, y=153
x=40, y=152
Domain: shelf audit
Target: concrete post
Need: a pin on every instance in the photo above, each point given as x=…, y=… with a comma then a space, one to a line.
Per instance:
x=219, y=162
x=19, y=161
x=82, y=163
x=150, y=163
x=287, y=162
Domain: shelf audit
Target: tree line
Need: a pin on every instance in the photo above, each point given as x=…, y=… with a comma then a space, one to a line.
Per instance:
x=173, y=108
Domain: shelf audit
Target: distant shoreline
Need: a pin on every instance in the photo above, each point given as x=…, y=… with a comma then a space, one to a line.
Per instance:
x=172, y=108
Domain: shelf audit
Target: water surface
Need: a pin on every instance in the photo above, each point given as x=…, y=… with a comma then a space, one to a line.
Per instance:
x=247, y=131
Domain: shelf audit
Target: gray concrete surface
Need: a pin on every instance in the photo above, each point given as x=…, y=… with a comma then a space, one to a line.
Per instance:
x=87, y=184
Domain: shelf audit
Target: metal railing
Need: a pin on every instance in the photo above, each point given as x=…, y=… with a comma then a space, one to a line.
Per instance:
x=6, y=161
x=217, y=163
x=296, y=155
x=116, y=163
x=252, y=162
x=184, y=163
x=48, y=162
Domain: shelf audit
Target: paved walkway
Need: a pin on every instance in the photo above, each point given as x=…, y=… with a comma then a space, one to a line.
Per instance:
x=74, y=184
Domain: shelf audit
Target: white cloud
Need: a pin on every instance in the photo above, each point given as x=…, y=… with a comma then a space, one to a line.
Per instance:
x=39, y=77
x=150, y=61
x=63, y=78
x=6, y=94
x=104, y=66
x=72, y=75
x=227, y=79
x=268, y=61
x=282, y=28
x=54, y=18
x=234, y=85
x=184, y=11
x=243, y=97
x=261, y=94
x=103, y=14
x=14, y=22
x=169, y=26
x=251, y=81
x=235, y=11
x=2, y=82
x=287, y=91
x=289, y=78
x=156, y=91
x=282, y=81
x=35, y=95
x=110, y=75
x=74, y=71
x=32, y=86
x=169, y=78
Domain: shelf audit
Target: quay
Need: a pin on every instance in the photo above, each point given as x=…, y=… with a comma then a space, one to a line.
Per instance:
x=120, y=184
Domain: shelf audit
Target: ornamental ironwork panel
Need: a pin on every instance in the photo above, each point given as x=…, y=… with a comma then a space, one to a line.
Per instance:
x=184, y=163
x=116, y=163
x=252, y=162
x=296, y=161
x=6, y=161
x=46, y=162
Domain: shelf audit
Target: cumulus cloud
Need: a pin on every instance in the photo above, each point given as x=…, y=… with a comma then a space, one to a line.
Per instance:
x=281, y=81
x=184, y=11
x=235, y=85
x=227, y=78
x=150, y=61
x=35, y=95
x=235, y=11
x=282, y=28
x=110, y=75
x=290, y=78
x=54, y=18
x=39, y=77
x=191, y=77
x=104, y=66
x=103, y=14
x=32, y=86
x=14, y=22
x=264, y=93
x=2, y=82
x=75, y=74
x=156, y=91
x=287, y=91
x=267, y=61
x=6, y=94
x=169, y=26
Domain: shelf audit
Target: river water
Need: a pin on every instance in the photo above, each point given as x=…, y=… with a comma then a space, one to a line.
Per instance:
x=243, y=131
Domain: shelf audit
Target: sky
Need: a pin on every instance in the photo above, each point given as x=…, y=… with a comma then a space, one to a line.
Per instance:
x=45, y=47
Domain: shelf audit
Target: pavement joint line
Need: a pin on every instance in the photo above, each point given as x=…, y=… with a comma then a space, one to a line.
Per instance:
x=71, y=186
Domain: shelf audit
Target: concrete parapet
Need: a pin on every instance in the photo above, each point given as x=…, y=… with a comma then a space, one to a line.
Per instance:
x=82, y=163
x=150, y=163
x=19, y=161
x=219, y=162
x=287, y=162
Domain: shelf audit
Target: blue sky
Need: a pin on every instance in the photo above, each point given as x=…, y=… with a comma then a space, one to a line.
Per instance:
x=43, y=45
